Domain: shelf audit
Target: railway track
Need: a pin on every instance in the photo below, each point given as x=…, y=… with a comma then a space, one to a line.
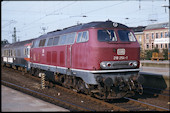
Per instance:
x=76, y=101
x=45, y=97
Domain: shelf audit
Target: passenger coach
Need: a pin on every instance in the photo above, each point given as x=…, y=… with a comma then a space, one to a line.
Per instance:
x=17, y=55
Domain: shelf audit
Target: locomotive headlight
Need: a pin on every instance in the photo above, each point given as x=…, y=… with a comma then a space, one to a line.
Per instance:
x=135, y=64
x=103, y=65
x=109, y=64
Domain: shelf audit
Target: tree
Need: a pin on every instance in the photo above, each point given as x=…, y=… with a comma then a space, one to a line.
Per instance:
x=148, y=53
x=165, y=54
x=4, y=42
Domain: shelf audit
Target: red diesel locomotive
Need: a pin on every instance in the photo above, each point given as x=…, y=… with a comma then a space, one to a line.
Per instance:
x=97, y=58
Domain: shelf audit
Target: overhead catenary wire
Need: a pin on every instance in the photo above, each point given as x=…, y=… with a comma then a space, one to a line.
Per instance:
x=32, y=23
x=89, y=13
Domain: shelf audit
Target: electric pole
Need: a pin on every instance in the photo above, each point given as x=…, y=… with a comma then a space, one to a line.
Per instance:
x=169, y=17
x=14, y=39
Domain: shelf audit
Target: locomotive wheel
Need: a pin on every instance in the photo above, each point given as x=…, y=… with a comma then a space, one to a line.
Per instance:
x=65, y=81
x=80, y=86
x=36, y=72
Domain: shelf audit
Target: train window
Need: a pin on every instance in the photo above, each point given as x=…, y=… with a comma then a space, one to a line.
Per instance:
x=11, y=53
x=14, y=53
x=18, y=52
x=82, y=37
x=28, y=51
x=79, y=37
x=42, y=43
x=62, y=39
x=106, y=35
x=56, y=39
x=25, y=53
x=131, y=37
x=5, y=53
x=126, y=36
x=35, y=44
x=50, y=42
x=70, y=38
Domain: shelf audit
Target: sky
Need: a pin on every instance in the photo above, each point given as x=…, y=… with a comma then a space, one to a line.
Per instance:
x=34, y=18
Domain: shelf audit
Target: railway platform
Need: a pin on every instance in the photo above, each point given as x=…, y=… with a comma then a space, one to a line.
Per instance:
x=155, y=67
x=15, y=101
x=156, y=73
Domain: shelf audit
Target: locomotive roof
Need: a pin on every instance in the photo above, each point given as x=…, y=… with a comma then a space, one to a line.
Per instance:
x=97, y=24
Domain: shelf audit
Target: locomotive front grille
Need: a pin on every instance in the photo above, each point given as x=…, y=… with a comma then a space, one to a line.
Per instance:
x=118, y=64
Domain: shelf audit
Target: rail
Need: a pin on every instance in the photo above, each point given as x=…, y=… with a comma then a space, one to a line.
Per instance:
x=151, y=106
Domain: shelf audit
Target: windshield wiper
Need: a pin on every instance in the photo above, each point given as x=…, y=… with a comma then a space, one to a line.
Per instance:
x=109, y=33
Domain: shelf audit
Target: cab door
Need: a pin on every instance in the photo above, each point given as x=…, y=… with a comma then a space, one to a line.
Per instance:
x=68, y=56
x=70, y=42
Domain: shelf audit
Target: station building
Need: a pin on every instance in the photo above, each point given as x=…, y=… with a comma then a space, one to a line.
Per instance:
x=138, y=31
x=156, y=36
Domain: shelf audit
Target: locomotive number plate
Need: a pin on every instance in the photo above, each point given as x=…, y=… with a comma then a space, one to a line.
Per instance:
x=120, y=51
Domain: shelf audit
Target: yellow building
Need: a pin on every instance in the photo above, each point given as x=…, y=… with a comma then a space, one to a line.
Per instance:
x=156, y=36
x=138, y=31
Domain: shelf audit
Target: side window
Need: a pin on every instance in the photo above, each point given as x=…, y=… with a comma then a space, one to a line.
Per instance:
x=35, y=44
x=42, y=43
x=7, y=52
x=79, y=37
x=14, y=53
x=18, y=52
x=11, y=52
x=131, y=37
x=82, y=37
x=28, y=51
x=56, y=40
x=25, y=51
x=3, y=52
x=50, y=42
x=62, y=40
x=70, y=38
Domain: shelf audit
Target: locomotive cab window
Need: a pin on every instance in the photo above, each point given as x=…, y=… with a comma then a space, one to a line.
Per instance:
x=106, y=35
x=126, y=36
